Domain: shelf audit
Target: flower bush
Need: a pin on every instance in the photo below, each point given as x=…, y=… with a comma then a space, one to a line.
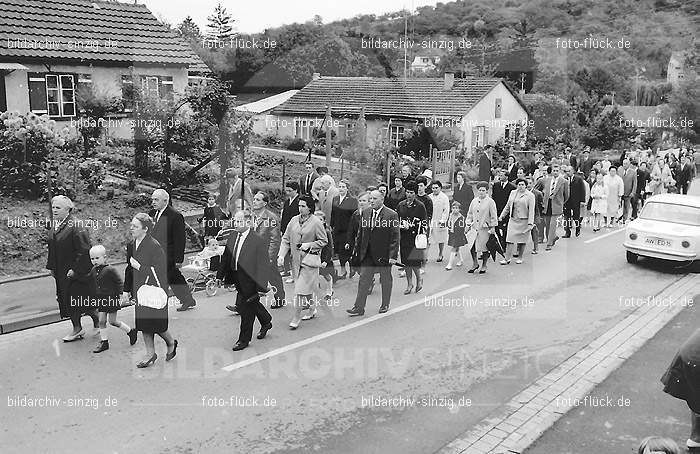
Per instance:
x=30, y=145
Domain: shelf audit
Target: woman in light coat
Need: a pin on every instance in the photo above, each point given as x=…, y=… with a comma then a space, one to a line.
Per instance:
x=616, y=189
x=304, y=235
x=483, y=218
x=599, y=200
x=520, y=209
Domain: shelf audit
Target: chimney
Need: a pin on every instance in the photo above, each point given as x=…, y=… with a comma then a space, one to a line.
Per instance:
x=316, y=76
x=449, y=81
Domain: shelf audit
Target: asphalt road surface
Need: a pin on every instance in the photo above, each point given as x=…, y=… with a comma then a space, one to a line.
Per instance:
x=408, y=381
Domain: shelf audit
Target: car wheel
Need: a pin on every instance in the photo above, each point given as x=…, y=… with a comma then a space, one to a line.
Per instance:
x=632, y=257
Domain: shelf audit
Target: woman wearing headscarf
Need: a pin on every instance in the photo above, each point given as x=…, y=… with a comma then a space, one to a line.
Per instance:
x=70, y=265
x=483, y=218
x=305, y=236
x=146, y=265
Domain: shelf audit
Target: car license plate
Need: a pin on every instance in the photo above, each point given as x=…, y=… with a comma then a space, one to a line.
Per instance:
x=658, y=242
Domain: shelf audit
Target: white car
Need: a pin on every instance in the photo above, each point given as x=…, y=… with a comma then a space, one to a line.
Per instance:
x=668, y=228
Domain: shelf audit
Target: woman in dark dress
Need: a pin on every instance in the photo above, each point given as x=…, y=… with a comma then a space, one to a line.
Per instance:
x=69, y=263
x=464, y=194
x=143, y=255
x=682, y=380
x=413, y=220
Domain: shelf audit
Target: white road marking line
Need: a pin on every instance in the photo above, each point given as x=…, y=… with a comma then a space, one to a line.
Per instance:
x=333, y=332
x=604, y=235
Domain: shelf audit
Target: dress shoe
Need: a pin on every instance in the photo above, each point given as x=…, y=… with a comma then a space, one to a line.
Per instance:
x=355, y=312
x=289, y=280
x=186, y=307
x=383, y=309
x=264, y=330
x=556, y=237
x=133, y=336
x=144, y=364
x=239, y=346
x=74, y=337
x=566, y=235
x=578, y=233
x=439, y=259
x=473, y=269
x=505, y=262
x=402, y=273
x=408, y=290
x=548, y=248
x=342, y=276
x=102, y=346
x=171, y=355
x=419, y=287
x=518, y=262
x=232, y=309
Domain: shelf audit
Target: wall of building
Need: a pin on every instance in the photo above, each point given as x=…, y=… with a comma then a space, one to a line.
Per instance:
x=484, y=114
x=103, y=78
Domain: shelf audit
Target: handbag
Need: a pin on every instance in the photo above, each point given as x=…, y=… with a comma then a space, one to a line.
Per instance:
x=311, y=260
x=421, y=241
x=150, y=295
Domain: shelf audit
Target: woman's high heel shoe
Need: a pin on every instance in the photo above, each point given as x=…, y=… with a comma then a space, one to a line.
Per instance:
x=313, y=313
x=473, y=269
x=170, y=356
x=74, y=337
x=408, y=290
x=144, y=364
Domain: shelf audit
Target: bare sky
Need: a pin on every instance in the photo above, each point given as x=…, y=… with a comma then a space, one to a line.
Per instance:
x=255, y=16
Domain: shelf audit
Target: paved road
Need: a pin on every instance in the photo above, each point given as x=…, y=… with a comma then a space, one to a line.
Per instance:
x=313, y=388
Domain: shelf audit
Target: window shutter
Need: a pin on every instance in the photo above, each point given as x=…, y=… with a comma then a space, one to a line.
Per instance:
x=37, y=93
x=128, y=92
x=475, y=133
x=486, y=136
x=83, y=85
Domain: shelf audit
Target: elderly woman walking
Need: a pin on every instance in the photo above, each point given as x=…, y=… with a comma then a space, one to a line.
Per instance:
x=483, y=218
x=304, y=237
x=146, y=265
x=70, y=265
x=520, y=210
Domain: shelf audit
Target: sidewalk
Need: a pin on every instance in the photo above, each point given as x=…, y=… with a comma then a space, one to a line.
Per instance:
x=646, y=410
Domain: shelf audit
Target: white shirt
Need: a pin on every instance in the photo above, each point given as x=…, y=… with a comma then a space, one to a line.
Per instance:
x=158, y=216
x=237, y=253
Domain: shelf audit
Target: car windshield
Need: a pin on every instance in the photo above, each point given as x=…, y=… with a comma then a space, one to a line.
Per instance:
x=667, y=212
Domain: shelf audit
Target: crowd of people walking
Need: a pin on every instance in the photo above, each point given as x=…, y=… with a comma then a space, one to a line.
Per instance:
x=369, y=233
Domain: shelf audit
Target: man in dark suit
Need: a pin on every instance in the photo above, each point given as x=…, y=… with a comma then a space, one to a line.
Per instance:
x=685, y=175
x=485, y=165
x=306, y=181
x=244, y=264
x=499, y=193
x=585, y=164
x=169, y=231
x=377, y=246
x=290, y=208
x=576, y=201
x=512, y=169
x=555, y=190
x=643, y=177
x=343, y=208
x=267, y=225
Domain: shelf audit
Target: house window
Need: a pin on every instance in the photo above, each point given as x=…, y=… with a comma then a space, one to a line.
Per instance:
x=60, y=95
x=396, y=135
x=350, y=129
x=480, y=136
x=149, y=86
x=304, y=128
x=499, y=103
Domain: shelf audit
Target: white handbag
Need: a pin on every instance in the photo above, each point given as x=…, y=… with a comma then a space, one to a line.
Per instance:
x=421, y=241
x=152, y=296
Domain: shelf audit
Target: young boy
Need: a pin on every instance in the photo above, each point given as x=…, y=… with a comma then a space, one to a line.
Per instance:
x=106, y=288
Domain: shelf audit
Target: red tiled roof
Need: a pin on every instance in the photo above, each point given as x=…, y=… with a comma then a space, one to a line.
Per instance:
x=416, y=98
x=137, y=35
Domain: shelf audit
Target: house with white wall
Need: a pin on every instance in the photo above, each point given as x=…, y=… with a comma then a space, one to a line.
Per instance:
x=478, y=111
x=49, y=49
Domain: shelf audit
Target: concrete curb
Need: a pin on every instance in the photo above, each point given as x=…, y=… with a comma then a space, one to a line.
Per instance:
x=518, y=424
x=29, y=321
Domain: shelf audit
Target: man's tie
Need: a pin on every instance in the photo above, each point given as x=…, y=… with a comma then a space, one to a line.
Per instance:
x=375, y=219
x=157, y=218
x=553, y=187
x=235, y=251
x=308, y=183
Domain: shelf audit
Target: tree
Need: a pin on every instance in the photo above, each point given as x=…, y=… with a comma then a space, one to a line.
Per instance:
x=609, y=131
x=190, y=31
x=95, y=105
x=220, y=25
x=550, y=114
x=684, y=108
